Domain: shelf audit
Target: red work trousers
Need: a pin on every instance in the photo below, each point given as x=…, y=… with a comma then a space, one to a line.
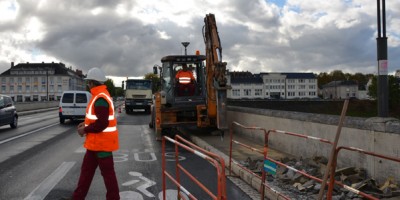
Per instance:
x=88, y=169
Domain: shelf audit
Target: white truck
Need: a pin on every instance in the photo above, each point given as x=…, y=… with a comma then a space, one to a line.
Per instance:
x=138, y=95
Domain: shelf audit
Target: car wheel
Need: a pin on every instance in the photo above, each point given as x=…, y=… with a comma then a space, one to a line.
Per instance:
x=14, y=123
x=62, y=120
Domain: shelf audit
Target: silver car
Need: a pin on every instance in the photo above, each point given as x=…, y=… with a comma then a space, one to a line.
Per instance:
x=8, y=112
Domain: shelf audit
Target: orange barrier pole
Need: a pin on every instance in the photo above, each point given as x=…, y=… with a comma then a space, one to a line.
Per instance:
x=163, y=168
x=330, y=189
x=180, y=167
x=213, y=155
x=264, y=152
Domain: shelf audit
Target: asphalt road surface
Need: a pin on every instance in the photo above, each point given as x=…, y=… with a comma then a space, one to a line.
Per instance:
x=41, y=159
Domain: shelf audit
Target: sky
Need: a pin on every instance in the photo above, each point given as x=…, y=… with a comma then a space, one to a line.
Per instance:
x=126, y=38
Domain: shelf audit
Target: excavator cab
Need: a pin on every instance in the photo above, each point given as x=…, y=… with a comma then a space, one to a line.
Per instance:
x=183, y=91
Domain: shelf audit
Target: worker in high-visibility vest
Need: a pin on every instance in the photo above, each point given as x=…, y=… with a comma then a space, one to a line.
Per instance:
x=185, y=81
x=100, y=129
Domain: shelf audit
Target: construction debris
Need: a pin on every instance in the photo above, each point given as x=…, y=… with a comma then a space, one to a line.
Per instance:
x=300, y=185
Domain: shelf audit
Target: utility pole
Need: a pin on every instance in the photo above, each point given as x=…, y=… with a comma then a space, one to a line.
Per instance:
x=381, y=42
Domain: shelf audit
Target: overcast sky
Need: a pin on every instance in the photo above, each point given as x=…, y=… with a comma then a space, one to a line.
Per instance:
x=126, y=38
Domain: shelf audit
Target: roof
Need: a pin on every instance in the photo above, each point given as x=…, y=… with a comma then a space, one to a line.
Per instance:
x=340, y=83
x=59, y=68
x=256, y=78
x=183, y=58
x=293, y=75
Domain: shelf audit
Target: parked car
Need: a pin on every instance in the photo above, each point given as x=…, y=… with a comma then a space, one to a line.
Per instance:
x=73, y=105
x=8, y=112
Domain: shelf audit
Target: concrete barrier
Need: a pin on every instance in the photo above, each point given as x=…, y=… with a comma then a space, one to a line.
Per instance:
x=379, y=135
x=28, y=106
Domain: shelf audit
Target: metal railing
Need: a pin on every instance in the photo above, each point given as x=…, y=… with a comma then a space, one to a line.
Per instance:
x=213, y=159
x=330, y=183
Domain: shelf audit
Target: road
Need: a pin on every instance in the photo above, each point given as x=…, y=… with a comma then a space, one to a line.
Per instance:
x=41, y=159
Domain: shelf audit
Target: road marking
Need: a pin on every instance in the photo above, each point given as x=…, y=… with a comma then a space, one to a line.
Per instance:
x=81, y=149
x=43, y=189
x=25, y=134
x=142, y=188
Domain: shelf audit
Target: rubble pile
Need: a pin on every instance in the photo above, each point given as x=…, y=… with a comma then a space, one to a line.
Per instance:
x=302, y=187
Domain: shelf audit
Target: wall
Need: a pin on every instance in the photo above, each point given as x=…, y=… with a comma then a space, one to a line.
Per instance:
x=379, y=135
x=27, y=106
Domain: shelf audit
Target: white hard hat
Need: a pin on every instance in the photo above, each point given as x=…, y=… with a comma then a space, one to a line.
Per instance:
x=96, y=74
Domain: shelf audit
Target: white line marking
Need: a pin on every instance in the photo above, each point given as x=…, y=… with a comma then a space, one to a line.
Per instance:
x=25, y=134
x=43, y=189
x=81, y=149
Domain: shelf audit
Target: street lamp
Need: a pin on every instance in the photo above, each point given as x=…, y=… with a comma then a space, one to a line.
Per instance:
x=185, y=44
x=381, y=42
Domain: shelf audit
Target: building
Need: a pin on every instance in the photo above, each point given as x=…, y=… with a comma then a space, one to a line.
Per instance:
x=246, y=85
x=340, y=90
x=27, y=82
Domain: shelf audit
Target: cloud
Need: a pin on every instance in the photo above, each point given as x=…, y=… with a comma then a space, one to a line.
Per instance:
x=126, y=38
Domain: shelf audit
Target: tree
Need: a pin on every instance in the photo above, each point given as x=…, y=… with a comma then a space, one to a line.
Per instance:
x=155, y=81
x=119, y=92
x=393, y=87
x=110, y=86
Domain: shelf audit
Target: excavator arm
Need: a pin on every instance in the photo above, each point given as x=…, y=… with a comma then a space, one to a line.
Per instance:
x=216, y=82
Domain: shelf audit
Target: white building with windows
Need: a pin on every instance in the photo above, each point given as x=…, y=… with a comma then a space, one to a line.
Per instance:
x=27, y=82
x=341, y=90
x=246, y=85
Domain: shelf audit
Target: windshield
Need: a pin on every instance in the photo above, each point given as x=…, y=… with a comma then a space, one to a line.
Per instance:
x=138, y=85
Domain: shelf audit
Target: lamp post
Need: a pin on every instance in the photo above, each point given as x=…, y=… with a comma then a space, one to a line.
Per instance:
x=185, y=44
x=381, y=42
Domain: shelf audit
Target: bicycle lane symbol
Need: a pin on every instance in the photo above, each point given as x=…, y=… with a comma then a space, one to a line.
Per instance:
x=132, y=195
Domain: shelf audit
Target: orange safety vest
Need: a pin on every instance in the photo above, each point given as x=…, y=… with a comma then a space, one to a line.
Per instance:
x=184, y=77
x=107, y=140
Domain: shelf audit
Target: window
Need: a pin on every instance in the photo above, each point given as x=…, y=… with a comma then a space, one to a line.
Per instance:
x=81, y=98
x=302, y=87
x=19, y=80
x=301, y=94
x=301, y=80
x=3, y=89
x=11, y=88
x=247, y=92
x=291, y=94
x=311, y=81
x=236, y=92
x=27, y=88
x=68, y=98
x=19, y=88
x=257, y=92
x=43, y=88
x=290, y=81
x=27, y=80
x=312, y=87
x=291, y=87
x=311, y=94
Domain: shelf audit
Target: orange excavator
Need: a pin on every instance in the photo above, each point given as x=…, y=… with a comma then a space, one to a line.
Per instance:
x=204, y=103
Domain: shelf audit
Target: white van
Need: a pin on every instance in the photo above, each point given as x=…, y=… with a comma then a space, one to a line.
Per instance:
x=73, y=105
